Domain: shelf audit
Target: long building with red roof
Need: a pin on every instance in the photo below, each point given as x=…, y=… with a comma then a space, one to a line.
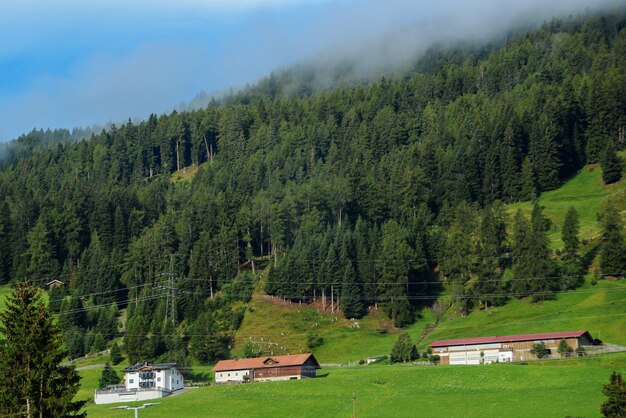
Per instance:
x=289, y=367
x=504, y=348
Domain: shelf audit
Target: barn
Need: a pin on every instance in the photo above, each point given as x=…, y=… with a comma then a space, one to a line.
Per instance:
x=260, y=369
x=504, y=349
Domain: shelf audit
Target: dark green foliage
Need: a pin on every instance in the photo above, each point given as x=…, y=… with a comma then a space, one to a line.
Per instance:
x=615, y=391
x=115, y=356
x=571, y=263
x=403, y=350
x=533, y=268
x=564, y=349
x=393, y=177
x=612, y=244
x=540, y=350
x=108, y=377
x=207, y=345
x=612, y=165
x=314, y=340
x=31, y=353
x=251, y=350
x=351, y=294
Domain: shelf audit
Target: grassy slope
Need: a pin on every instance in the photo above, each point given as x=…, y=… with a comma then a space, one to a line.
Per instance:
x=601, y=309
x=586, y=193
x=556, y=388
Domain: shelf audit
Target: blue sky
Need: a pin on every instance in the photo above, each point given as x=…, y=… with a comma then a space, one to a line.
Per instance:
x=68, y=63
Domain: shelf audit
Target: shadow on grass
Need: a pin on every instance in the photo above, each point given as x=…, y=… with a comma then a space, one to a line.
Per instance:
x=323, y=375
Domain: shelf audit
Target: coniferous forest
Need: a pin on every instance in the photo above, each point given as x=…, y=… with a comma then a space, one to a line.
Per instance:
x=375, y=193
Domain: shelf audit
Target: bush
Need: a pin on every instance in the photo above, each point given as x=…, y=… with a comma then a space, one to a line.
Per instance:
x=540, y=350
x=314, y=340
x=435, y=359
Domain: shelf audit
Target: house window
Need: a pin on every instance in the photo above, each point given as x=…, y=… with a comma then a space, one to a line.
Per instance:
x=158, y=379
x=131, y=381
x=236, y=374
x=228, y=374
x=221, y=374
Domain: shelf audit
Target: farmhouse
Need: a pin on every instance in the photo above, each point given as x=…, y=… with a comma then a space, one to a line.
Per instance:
x=266, y=368
x=504, y=349
x=142, y=381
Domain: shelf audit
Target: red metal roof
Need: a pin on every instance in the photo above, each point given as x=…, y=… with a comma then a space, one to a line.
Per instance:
x=510, y=338
x=264, y=362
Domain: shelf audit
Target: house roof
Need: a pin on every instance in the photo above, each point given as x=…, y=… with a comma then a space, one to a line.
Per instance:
x=510, y=338
x=264, y=362
x=54, y=281
x=148, y=366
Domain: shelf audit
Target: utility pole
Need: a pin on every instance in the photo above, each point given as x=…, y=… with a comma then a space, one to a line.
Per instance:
x=353, y=405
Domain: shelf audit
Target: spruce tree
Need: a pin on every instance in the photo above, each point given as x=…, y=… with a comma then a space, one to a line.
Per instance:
x=31, y=352
x=115, y=356
x=612, y=245
x=571, y=268
x=401, y=351
x=528, y=182
x=541, y=266
x=615, y=390
x=569, y=233
x=206, y=344
x=612, y=165
x=108, y=377
x=351, y=294
x=6, y=249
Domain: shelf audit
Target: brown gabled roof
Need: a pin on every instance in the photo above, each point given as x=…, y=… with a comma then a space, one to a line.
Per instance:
x=264, y=362
x=510, y=338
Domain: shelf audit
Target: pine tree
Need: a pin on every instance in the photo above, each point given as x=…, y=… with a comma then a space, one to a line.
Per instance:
x=615, y=390
x=528, y=183
x=6, y=249
x=206, y=344
x=42, y=266
x=541, y=266
x=612, y=165
x=31, y=353
x=401, y=351
x=569, y=233
x=571, y=268
x=115, y=356
x=612, y=245
x=108, y=377
x=351, y=294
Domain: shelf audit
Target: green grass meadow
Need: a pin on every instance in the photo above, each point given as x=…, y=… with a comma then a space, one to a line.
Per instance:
x=557, y=388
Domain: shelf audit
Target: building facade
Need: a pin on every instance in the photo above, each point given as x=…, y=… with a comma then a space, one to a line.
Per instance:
x=142, y=381
x=260, y=369
x=504, y=349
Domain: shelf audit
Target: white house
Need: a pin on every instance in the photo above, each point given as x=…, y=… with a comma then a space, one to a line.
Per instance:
x=142, y=381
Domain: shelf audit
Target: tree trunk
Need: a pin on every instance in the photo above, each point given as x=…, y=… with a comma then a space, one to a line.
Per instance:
x=177, y=158
x=208, y=152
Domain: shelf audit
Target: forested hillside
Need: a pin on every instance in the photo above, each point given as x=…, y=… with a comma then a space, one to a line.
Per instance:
x=380, y=193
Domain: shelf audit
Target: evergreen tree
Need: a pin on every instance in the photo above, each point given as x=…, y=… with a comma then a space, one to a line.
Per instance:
x=571, y=268
x=528, y=183
x=207, y=346
x=540, y=263
x=612, y=165
x=31, y=353
x=351, y=294
x=615, y=391
x=402, y=349
x=42, y=266
x=115, y=356
x=612, y=244
x=569, y=233
x=6, y=250
x=108, y=377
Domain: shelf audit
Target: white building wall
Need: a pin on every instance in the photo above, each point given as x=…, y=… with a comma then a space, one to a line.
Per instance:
x=132, y=380
x=232, y=376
